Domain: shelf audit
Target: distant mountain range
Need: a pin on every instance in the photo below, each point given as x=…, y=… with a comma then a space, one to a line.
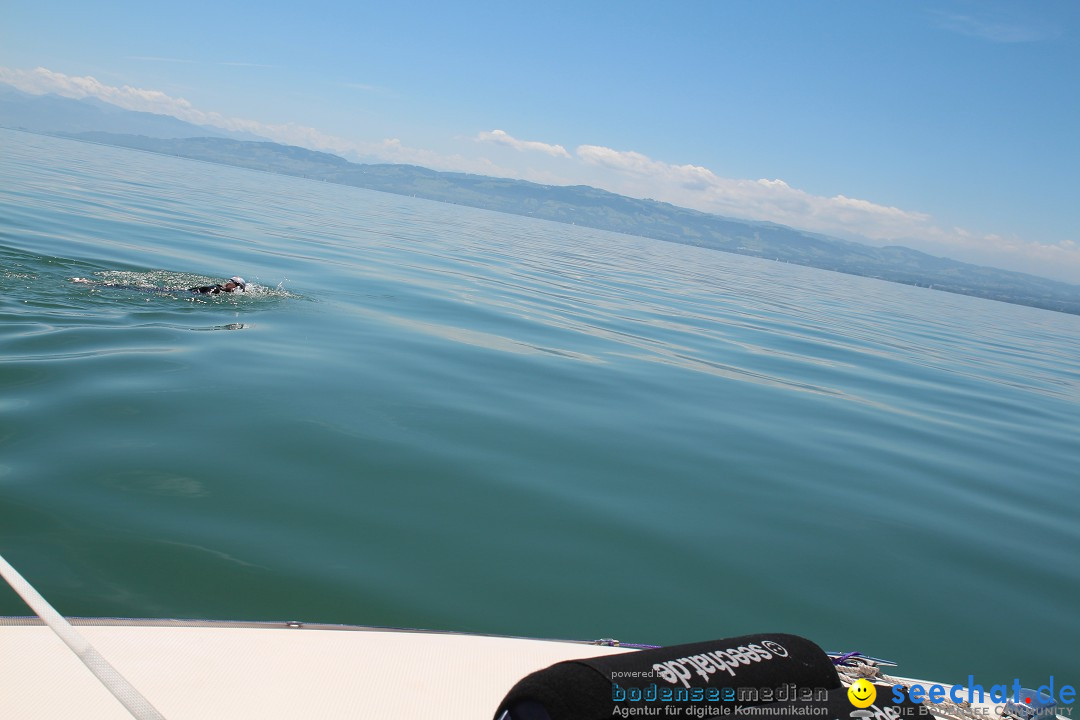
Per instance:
x=53, y=114
x=580, y=205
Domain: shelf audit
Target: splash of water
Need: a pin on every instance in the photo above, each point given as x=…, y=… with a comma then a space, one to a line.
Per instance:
x=176, y=284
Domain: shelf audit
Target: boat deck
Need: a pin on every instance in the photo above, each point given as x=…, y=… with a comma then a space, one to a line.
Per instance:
x=207, y=670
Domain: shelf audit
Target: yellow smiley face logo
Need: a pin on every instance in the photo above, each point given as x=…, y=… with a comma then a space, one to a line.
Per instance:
x=862, y=693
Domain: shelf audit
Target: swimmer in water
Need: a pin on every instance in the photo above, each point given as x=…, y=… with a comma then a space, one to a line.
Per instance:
x=233, y=284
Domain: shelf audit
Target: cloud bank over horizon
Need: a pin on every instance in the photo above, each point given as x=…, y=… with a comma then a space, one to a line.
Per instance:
x=501, y=137
x=625, y=172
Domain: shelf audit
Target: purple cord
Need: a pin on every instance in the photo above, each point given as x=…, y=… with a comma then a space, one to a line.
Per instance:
x=845, y=657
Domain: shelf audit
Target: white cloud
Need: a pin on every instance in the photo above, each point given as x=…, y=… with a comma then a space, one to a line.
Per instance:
x=638, y=175
x=394, y=151
x=1054, y=260
x=42, y=80
x=502, y=138
x=691, y=177
x=764, y=199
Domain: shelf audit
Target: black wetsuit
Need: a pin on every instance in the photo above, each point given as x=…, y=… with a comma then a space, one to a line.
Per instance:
x=202, y=290
x=209, y=289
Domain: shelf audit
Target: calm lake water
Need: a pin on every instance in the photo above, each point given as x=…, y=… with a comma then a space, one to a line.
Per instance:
x=431, y=416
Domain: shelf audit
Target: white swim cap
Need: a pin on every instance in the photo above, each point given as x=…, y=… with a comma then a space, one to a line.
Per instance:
x=239, y=281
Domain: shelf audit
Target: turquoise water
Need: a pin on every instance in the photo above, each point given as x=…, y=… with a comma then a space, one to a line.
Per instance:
x=431, y=416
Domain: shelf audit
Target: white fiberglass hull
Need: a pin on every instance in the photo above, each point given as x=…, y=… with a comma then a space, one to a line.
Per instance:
x=202, y=670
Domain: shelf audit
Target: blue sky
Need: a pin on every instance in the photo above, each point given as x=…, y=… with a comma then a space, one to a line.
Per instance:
x=950, y=126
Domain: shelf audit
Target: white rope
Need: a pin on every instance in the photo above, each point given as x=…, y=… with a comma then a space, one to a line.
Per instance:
x=116, y=683
x=945, y=709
